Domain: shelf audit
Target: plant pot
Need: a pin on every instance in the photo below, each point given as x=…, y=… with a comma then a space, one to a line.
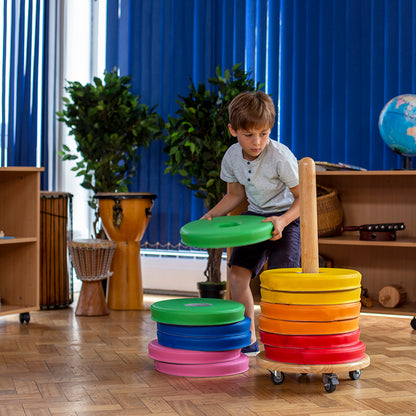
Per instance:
x=125, y=217
x=212, y=290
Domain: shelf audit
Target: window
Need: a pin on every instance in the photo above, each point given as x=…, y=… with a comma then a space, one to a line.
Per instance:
x=84, y=58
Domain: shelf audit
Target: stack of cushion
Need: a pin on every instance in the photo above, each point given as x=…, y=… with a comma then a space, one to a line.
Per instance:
x=311, y=318
x=200, y=337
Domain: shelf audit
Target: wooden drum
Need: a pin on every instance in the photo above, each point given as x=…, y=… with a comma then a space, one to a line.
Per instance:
x=125, y=217
x=55, y=230
x=92, y=262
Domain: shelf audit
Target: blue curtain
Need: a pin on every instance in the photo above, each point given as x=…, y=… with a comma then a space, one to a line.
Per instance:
x=330, y=66
x=163, y=45
x=341, y=62
x=24, y=108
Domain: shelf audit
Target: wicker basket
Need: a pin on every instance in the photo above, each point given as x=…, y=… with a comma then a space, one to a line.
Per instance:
x=329, y=210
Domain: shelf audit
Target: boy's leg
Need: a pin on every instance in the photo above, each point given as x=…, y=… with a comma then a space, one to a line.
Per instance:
x=239, y=279
x=285, y=253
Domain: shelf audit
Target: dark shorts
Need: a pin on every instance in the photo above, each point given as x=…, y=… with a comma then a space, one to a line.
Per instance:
x=282, y=253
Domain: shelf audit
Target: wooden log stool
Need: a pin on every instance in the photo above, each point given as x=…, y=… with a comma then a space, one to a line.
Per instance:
x=92, y=261
x=392, y=296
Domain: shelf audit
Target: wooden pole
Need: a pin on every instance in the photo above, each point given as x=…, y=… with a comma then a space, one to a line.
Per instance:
x=308, y=216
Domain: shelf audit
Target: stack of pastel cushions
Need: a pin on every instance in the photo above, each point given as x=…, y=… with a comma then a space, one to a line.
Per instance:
x=200, y=337
x=311, y=318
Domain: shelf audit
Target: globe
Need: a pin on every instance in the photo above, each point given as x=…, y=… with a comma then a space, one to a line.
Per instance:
x=397, y=124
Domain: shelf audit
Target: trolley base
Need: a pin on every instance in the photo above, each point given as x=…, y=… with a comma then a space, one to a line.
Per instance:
x=328, y=371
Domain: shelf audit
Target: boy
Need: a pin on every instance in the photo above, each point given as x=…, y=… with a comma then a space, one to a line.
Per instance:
x=266, y=173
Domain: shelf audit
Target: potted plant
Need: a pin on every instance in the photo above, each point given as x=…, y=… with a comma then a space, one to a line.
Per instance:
x=109, y=125
x=196, y=141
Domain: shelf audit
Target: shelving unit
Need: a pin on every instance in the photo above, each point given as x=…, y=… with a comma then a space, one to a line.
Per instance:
x=370, y=197
x=19, y=256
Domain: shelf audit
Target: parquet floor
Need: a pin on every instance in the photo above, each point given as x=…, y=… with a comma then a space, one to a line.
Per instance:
x=60, y=364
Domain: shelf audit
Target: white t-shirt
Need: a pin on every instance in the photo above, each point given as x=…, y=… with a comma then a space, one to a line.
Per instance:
x=266, y=179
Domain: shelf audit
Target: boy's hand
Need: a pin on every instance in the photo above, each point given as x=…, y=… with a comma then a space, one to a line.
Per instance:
x=278, y=226
x=207, y=216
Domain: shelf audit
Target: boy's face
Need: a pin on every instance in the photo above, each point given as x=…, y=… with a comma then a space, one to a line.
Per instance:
x=252, y=141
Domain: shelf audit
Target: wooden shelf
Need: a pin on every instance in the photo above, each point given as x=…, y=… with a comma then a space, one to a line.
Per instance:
x=17, y=240
x=348, y=240
x=406, y=309
x=19, y=256
x=371, y=197
x=13, y=309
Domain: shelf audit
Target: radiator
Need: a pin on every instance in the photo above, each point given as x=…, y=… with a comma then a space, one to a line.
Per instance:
x=175, y=272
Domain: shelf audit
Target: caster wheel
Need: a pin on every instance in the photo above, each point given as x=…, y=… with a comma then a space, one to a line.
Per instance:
x=330, y=382
x=413, y=323
x=277, y=377
x=355, y=375
x=24, y=317
x=329, y=387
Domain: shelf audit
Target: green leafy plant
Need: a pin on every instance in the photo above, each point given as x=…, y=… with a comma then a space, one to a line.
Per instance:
x=109, y=125
x=198, y=138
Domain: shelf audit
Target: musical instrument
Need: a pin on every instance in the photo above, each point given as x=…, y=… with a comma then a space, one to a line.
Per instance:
x=125, y=217
x=92, y=261
x=56, y=290
x=377, y=232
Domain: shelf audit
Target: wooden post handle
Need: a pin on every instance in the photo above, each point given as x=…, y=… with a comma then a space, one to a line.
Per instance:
x=308, y=216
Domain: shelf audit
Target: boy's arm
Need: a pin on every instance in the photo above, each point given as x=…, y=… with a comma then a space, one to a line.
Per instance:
x=234, y=196
x=279, y=223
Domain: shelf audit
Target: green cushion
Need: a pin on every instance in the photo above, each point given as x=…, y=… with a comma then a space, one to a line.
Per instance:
x=197, y=311
x=228, y=231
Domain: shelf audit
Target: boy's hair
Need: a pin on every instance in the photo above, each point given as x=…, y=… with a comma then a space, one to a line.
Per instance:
x=251, y=110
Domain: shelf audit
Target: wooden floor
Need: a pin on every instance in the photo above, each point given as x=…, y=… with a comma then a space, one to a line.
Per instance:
x=60, y=364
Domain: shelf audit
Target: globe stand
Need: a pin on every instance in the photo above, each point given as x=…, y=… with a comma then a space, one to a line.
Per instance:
x=407, y=163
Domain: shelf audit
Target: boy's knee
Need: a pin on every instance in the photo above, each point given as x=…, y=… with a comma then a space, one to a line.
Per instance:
x=238, y=275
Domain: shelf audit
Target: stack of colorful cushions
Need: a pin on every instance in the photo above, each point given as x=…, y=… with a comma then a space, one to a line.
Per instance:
x=200, y=337
x=310, y=318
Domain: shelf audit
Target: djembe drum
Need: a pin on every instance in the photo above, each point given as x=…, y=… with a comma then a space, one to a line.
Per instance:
x=92, y=262
x=125, y=217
